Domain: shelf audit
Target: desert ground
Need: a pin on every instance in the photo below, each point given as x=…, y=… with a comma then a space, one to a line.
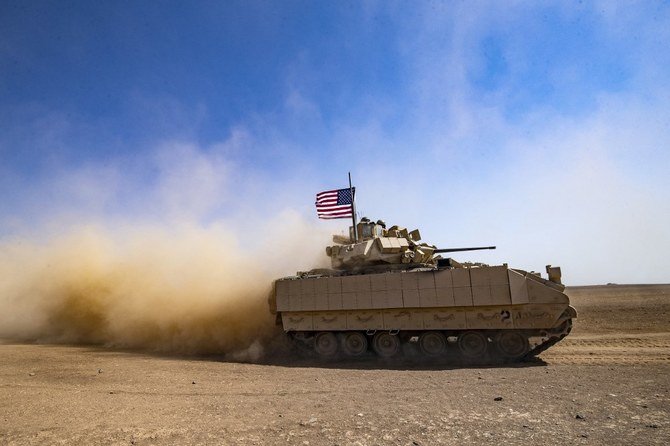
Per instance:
x=606, y=383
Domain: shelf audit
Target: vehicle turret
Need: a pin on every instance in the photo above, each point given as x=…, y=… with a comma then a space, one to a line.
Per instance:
x=378, y=246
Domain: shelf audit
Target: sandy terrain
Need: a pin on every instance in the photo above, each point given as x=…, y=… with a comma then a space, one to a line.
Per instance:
x=607, y=383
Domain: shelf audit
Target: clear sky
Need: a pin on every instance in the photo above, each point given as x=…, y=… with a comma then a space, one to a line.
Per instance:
x=540, y=127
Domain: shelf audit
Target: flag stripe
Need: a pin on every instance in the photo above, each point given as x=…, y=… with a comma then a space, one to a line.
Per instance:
x=334, y=191
x=337, y=214
x=333, y=206
x=338, y=209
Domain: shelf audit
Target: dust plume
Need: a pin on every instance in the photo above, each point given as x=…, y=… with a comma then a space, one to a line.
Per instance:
x=187, y=289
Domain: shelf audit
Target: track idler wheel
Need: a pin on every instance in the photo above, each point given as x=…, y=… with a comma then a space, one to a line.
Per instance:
x=511, y=344
x=325, y=344
x=385, y=344
x=353, y=343
x=432, y=343
x=473, y=344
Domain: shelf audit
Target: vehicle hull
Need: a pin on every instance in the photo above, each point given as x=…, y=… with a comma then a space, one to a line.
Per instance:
x=487, y=299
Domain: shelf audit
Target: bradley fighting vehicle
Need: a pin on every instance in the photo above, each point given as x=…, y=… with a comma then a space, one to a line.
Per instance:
x=386, y=288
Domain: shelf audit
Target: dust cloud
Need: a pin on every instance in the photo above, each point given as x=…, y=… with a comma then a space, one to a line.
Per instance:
x=186, y=290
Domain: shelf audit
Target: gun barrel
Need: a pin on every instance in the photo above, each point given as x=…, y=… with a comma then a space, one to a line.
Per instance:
x=438, y=251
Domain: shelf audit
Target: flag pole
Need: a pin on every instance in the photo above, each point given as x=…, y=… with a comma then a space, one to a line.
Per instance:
x=353, y=209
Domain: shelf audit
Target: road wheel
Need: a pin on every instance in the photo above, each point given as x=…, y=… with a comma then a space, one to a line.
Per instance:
x=325, y=344
x=354, y=343
x=472, y=344
x=433, y=343
x=385, y=344
x=511, y=344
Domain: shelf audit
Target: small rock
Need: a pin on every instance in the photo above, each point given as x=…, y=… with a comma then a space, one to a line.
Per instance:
x=579, y=417
x=653, y=426
x=609, y=417
x=99, y=370
x=359, y=415
x=612, y=395
x=280, y=415
x=192, y=382
x=309, y=422
x=416, y=443
x=111, y=393
x=31, y=374
x=498, y=398
x=479, y=377
x=525, y=426
x=584, y=435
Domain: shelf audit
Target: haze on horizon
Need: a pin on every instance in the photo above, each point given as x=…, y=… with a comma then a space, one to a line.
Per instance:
x=543, y=129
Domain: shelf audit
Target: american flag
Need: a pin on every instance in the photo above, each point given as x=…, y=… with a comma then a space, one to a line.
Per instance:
x=337, y=203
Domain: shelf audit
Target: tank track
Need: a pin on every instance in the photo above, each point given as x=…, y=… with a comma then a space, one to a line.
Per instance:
x=303, y=344
x=551, y=341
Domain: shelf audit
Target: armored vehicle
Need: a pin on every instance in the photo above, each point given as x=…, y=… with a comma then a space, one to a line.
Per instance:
x=386, y=290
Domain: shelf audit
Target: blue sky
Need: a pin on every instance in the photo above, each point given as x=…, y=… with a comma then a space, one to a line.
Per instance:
x=543, y=128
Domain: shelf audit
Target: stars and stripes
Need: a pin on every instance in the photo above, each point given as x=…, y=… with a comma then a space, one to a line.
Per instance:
x=336, y=203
